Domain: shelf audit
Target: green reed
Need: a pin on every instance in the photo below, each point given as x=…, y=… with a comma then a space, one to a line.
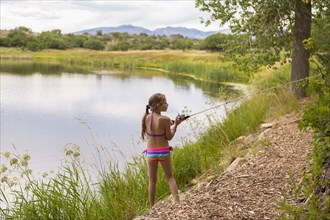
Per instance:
x=271, y=77
x=66, y=194
x=206, y=71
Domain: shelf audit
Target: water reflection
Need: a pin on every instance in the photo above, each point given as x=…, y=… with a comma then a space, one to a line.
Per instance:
x=213, y=89
x=44, y=107
x=28, y=67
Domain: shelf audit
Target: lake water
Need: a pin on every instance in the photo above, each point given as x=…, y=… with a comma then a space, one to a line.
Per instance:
x=47, y=107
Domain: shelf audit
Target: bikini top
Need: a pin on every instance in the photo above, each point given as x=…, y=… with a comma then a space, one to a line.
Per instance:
x=154, y=135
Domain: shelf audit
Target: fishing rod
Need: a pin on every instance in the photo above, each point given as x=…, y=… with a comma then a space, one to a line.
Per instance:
x=184, y=117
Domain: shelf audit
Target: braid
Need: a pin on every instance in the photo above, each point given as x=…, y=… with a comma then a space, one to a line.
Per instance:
x=144, y=126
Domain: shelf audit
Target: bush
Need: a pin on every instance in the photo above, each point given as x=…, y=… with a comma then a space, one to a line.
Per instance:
x=94, y=44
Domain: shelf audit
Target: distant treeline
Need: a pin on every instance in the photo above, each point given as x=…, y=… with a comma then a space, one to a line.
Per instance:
x=23, y=37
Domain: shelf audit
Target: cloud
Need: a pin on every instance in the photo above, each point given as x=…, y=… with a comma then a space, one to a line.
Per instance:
x=35, y=13
x=76, y=15
x=105, y=6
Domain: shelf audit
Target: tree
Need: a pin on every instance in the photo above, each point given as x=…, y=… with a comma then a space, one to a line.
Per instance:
x=33, y=45
x=300, y=55
x=273, y=27
x=99, y=32
x=121, y=45
x=53, y=39
x=320, y=42
x=182, y=44
x=75, y=40
x=94, y=44
x=18, y=37
x=215, y=42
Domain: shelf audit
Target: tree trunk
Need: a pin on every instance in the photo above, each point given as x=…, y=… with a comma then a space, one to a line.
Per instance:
x=300, y=56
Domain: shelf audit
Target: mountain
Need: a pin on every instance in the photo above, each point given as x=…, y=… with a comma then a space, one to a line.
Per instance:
x=123, y=28
x=168, y=31
x=187, y=32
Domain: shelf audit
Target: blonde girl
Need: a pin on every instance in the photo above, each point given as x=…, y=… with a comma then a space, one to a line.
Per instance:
x=159, y=129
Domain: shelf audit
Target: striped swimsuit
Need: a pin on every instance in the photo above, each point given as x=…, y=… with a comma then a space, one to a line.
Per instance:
x=159, y=153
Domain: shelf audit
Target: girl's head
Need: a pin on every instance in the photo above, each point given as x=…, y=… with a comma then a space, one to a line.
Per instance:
x=157, y=103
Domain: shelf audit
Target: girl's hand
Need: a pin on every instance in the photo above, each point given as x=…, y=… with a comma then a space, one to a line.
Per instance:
x=178, y=120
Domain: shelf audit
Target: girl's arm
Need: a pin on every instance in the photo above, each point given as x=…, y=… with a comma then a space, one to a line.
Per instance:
x=170, y=127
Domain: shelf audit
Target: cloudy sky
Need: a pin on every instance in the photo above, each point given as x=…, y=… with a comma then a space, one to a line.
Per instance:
x=75, y=15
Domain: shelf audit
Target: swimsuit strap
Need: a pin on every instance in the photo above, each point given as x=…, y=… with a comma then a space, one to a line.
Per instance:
x=154, y=135
x=152, y=114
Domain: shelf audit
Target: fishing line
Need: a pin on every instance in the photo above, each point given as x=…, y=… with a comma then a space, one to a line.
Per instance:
x=183, y=116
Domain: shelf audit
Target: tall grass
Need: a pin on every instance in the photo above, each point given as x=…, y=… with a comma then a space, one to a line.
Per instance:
x=65, y=195
x=215, y=72
x=149, y=58
x=271, y=77
x=199, y=64
x=123, y=194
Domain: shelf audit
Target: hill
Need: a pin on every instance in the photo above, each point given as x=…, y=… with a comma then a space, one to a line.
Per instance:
x=167, y=31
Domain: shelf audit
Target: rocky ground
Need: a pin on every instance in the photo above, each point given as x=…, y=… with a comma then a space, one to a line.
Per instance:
x=251, y=186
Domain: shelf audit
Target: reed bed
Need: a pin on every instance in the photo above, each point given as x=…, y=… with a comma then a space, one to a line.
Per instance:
x=211, y=71
x=199, y=64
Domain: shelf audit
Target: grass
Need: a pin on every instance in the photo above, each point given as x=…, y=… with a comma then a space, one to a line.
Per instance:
x=199, y=64
x=118, y=194
x=65, y=195
x=269, y=78
x=148, y=58
x=210, y=71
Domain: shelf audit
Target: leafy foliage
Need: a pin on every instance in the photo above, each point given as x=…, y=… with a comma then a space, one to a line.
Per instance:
x=271, y=28
x=215, y=42
x=23, y=37
x=266, y=24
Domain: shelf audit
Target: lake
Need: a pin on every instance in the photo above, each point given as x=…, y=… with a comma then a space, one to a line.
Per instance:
x=46, y=107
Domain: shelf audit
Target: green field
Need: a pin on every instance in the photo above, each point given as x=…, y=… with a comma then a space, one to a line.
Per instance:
x=200, y=65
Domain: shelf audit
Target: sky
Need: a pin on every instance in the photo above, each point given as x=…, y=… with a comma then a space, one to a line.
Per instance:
x=76, y=15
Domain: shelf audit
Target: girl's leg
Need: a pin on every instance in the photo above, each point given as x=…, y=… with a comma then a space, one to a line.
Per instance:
x=167, y=166
x=152, y=174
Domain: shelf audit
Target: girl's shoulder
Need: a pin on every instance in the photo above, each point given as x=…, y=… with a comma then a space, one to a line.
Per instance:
x=164, y=118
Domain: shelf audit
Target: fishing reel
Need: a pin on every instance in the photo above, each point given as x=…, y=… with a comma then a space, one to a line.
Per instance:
x=182, y=117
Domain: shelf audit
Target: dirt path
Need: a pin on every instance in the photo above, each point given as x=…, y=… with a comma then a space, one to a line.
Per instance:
x=251, y=186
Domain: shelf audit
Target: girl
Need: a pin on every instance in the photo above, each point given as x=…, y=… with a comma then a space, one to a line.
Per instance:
x=159, y=130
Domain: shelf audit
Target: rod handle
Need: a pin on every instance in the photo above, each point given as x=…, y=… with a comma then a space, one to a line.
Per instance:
x=182, y=116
